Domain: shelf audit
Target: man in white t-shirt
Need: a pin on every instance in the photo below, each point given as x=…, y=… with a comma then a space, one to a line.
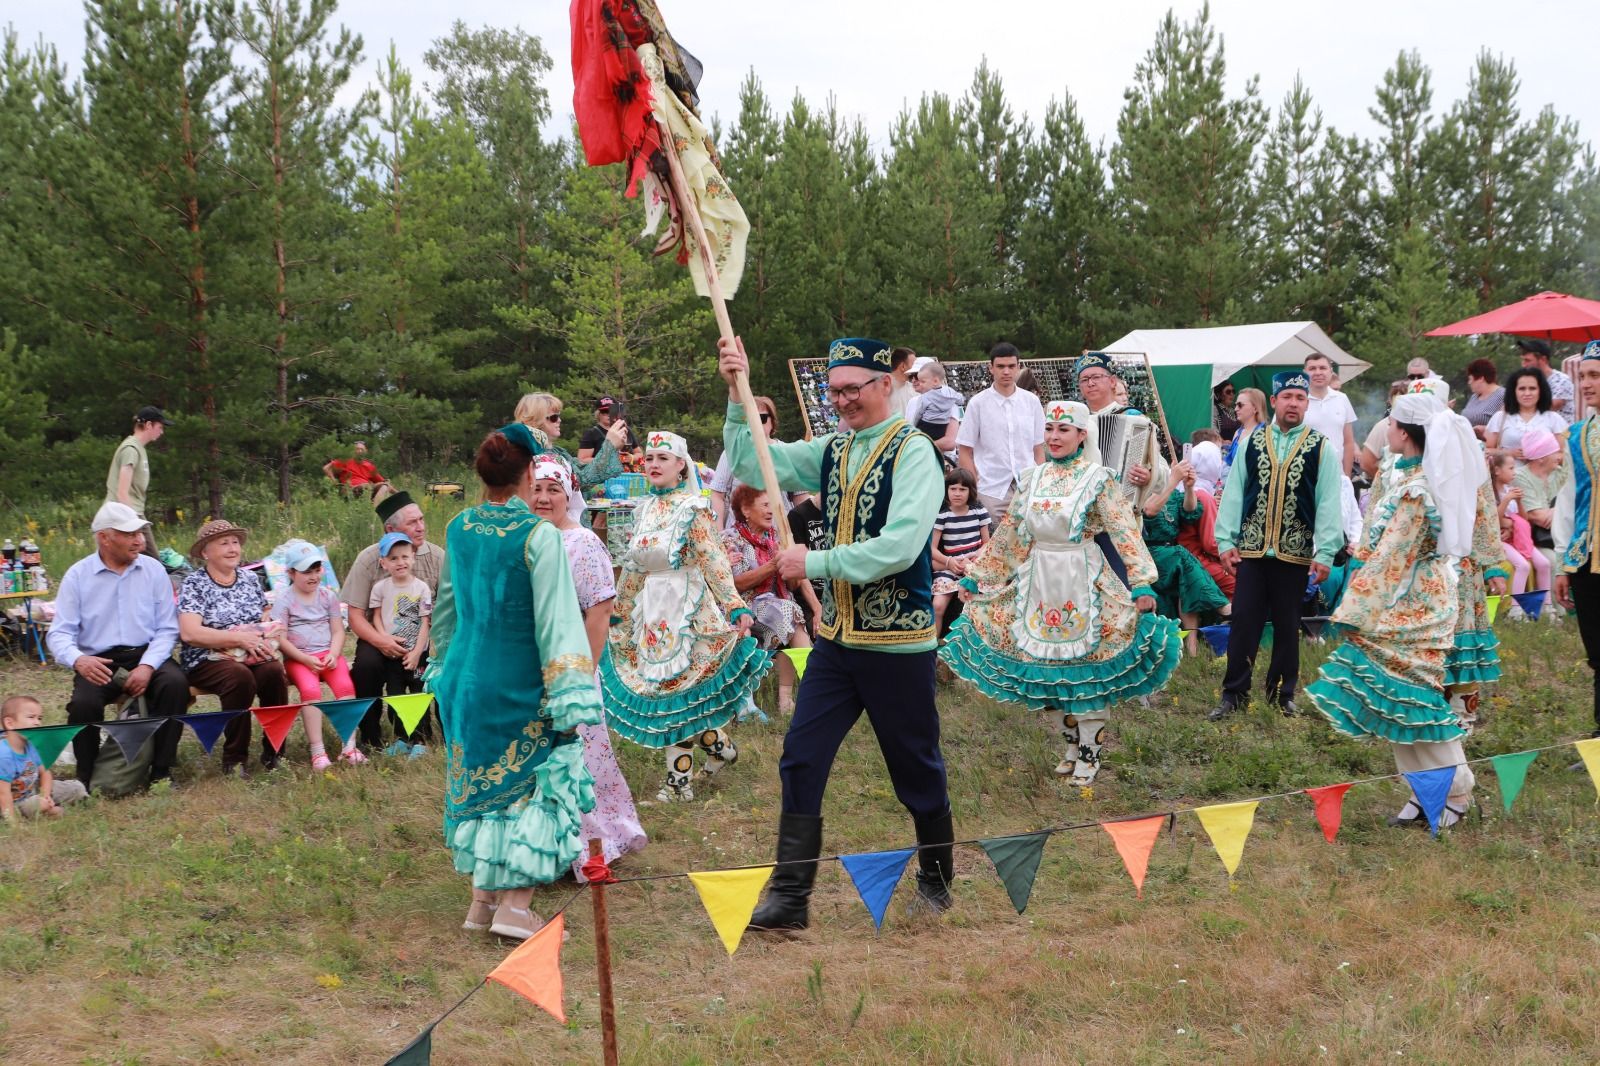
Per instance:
x=1329, y=412
x=1002, y=431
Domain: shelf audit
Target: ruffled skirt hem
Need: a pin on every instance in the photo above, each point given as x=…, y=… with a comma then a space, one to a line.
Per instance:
x=533, y=841
x=1359, y=699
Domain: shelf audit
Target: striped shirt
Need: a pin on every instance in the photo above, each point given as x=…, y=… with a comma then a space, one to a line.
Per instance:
x=961, y=534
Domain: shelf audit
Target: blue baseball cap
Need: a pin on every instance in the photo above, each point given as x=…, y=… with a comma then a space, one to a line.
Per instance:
x=386, y=545
x=304, y=558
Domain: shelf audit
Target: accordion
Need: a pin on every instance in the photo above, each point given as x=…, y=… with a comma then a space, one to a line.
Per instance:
x=1124, y=444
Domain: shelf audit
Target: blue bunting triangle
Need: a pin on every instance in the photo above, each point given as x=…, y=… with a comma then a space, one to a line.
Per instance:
x=345, y=715
x=1530, y=602
x=1217, y=637
x=876, y=873
x=131, y=733
x=1431, y=787
x=208, y=725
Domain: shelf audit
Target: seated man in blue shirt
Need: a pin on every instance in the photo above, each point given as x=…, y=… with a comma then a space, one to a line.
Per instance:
x=115, y=611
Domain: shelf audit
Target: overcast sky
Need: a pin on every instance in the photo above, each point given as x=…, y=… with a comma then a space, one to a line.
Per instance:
x=874, y=56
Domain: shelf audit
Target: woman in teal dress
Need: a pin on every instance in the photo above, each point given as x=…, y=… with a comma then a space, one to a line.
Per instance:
x=1182, y=588
x=680, y=660
x=1399, y=613
x=1048, y=624
x=513, y=677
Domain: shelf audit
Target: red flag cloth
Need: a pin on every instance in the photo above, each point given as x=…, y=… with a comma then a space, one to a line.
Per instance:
x=596, y=872
x=534, y=969
x=276, y=723
x=1329, y=800
x=610, y=92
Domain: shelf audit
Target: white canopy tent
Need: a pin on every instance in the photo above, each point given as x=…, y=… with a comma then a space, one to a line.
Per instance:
x=1229, y=349
x=1187, y=363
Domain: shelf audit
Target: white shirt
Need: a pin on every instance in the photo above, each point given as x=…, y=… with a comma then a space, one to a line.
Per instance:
x=910, y=413
x=1512, y=428
x=899, y=396
x=1329, y=416
x=1002, y=432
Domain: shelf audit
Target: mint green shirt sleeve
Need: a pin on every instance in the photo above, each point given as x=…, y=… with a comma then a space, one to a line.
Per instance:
x=913, y=507
x=1230, y=509
x=797, y=463
x=1328, y=536
x=571, y=698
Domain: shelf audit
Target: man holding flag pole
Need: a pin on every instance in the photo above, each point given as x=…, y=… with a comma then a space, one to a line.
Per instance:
x=634, y=97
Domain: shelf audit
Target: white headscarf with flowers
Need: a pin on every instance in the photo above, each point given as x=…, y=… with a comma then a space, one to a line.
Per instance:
x=1067, y=413
x=1452, y=461
x=551, y=468
x=660, y=440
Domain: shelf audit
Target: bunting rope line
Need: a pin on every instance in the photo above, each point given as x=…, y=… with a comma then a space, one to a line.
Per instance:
x=533, y=969
x=1073, y=826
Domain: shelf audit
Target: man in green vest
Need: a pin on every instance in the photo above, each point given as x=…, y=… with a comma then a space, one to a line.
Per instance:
x=881, y=488
x=1278, y=520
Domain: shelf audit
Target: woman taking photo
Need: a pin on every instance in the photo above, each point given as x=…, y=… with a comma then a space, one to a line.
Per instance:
x=1250, y=408
x=1527, y=408
x=227, y=650
x=541, y=412
x=514, y=679
x=752, y=547
x=614, y=820
x=680, y=660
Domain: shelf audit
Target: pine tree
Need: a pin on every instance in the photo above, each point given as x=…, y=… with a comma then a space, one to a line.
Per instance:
x=1405, y=113
x=941, y=213
x=1062, y=245
x=1186, y=204
x=1000, y=141
x=750, y=160
x=1415, y=294
x=290, y=140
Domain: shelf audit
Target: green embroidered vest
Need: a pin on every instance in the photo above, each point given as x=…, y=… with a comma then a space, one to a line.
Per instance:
x=897, y=609
x=1279, y=517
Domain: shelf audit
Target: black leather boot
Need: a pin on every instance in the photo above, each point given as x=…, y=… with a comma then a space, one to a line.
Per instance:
x=787, y=905
x=936, y=862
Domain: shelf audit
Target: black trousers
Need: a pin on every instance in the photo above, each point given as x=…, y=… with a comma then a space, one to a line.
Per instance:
x=1265, y=590
x=897, y=692
x=374, y=674
x=167, y=695
x=1586, y=605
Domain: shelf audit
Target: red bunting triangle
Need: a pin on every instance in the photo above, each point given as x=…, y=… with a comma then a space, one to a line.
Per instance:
x=276, y=723
x=1329, y=801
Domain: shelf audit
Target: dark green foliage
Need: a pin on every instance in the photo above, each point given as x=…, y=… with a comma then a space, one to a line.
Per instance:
x=208, y=219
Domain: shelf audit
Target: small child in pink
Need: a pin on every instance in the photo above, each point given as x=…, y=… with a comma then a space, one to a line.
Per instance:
x=315, y=633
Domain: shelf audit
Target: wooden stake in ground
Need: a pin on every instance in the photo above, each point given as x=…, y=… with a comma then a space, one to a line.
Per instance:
x=719, y=307
x=602, y=961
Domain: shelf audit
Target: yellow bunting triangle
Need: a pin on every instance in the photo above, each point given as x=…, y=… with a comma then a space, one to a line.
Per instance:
x=410, y=708
x=1227, y=824
x=1183, y=634
x=729, y=897
x=1492, y=605
x=799, y=657
x=1589, y=750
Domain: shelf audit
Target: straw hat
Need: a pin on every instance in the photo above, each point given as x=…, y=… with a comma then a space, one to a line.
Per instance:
x=217, y=527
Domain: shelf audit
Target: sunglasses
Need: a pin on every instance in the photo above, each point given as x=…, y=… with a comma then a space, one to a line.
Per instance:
x=1416, y=377
x=1240, y=404
x=766, y=419
x=553, y=418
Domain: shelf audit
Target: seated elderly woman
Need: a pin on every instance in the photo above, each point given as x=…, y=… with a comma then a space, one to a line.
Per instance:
x=1182, y=589
x=752, y=546
x=229, y=647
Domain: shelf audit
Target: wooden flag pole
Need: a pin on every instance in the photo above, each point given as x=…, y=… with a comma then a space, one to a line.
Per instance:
x=719, y=307
x=602, y=961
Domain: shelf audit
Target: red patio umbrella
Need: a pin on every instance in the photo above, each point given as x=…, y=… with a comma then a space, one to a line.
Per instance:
x=1553, y=316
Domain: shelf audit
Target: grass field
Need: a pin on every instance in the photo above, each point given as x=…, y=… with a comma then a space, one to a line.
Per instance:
x=314, y=918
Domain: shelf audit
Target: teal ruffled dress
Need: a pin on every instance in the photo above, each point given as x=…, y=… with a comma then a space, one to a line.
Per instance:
x=1474, y=658
x=1050, y=626
x=513, y=678
x=675, y=666
x=1398, y=617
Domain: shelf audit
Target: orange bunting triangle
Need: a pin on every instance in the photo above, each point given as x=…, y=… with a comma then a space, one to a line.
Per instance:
x=1134, y=840
x=533, y=971
x=1329, y=801
x=276, y=723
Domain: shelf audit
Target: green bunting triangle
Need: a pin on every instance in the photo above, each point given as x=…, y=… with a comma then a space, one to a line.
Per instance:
x=1512, y=770
x=1016, y=860
x=417, y=1053
x=50, y=740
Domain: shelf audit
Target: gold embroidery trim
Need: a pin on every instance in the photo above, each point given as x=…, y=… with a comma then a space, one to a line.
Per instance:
x=1277, y=489
x=562, y=663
